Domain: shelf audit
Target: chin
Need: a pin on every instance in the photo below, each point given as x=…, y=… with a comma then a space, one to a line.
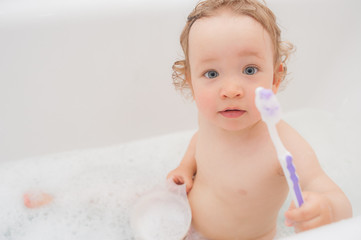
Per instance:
x=233, y=127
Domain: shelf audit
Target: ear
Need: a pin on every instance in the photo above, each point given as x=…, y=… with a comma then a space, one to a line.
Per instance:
x=277, y=81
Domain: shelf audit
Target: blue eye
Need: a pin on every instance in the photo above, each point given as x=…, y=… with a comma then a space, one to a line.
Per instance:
x=250, y=70
x=211, y=74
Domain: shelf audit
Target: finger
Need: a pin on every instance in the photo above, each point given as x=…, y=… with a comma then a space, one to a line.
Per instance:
x=289, y=222
x=176, y=179
x=304, y=213
x=189, y=184
x=308, y=225
x=292, y=206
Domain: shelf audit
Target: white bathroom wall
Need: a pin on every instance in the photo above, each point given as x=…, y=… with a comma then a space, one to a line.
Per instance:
x=74, y=78
x=82, y=74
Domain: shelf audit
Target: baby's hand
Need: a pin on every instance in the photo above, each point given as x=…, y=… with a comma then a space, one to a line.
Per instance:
x=315, y=212
x=182, y=175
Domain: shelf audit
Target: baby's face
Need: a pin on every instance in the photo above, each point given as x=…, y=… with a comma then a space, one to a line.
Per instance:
x=230, y=56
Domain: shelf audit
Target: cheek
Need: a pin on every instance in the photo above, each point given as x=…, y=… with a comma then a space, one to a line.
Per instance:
x=205, y=100
x=252, y=107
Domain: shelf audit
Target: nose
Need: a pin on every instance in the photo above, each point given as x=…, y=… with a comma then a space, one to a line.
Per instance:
x=231, y=89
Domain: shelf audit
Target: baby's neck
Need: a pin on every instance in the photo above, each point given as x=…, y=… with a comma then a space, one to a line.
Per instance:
x=254, y=132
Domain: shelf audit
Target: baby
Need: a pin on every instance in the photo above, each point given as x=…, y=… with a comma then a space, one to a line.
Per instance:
x=234, y=180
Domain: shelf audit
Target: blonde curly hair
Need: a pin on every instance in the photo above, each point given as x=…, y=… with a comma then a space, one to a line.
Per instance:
x=252, y=8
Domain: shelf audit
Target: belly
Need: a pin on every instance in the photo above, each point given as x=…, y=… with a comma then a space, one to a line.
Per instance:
x=237, y=210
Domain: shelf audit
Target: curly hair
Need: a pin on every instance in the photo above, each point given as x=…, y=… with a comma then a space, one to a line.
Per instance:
x=252, y=8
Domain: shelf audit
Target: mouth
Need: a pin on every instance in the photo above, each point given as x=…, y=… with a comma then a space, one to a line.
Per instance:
x=232, y=113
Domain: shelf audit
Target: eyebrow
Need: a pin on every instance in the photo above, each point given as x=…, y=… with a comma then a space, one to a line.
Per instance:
x=208, y=59
x=247, y=52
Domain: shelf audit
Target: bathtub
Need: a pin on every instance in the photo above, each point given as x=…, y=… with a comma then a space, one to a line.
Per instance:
x=86, y=102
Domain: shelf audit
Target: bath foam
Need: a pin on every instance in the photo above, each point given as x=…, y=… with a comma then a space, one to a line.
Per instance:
x=156, y=228
x=95, y=189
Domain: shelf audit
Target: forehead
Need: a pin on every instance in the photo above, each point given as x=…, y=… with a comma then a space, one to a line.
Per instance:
x=228, y=32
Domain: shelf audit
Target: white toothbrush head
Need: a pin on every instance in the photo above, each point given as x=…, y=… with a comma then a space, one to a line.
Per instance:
x=268, y=105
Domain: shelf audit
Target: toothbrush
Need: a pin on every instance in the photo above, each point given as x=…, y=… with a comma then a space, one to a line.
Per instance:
x=269, y=107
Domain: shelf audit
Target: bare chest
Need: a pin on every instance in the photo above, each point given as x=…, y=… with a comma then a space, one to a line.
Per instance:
x=240, y=172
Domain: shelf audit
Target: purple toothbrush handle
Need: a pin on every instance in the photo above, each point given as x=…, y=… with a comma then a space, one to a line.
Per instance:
x=296, y=187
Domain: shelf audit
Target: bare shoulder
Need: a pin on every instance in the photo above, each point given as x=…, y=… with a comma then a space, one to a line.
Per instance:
x=305, y=159
x=292, y=140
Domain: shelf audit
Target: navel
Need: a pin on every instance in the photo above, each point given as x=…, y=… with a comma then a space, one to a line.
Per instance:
x=242, y=192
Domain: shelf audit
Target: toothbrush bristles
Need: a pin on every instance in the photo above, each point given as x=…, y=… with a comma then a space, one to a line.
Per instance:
x=268, y=105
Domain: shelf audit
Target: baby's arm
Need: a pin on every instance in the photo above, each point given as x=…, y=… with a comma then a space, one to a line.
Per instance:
x=187, y=168
x=324, y=200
